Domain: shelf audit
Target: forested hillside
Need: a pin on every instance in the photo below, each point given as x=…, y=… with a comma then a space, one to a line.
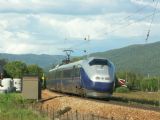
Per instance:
x=143, y=59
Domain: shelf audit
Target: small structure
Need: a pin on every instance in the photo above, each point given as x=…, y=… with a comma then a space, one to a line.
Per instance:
x=3, y=90
x=7, y=84
x=17, y=83
x=31, y=87
x=122, y=82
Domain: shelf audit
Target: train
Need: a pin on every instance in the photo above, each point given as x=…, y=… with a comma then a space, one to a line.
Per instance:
x=91, y=77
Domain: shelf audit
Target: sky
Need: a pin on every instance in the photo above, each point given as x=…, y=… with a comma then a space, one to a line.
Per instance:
x=50, y=26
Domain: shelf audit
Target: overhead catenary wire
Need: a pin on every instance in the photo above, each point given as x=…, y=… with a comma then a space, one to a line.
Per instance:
x=152, y=19
x=143, y=18
x=119, y=28
x=84, y=43
x=123, y=26
x=74, y=47
x=78, y=46
x=131, y=15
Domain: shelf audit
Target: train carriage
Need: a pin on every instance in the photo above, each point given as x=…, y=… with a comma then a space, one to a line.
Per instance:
x=92, y=77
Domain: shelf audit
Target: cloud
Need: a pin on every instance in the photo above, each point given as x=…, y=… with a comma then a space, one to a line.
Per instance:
x=36, y=26
x=26, y=6
x=147, y=3
x=69, y=7
x=75, y=27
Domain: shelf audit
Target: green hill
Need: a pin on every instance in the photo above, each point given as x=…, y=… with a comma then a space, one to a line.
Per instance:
x=143, y=59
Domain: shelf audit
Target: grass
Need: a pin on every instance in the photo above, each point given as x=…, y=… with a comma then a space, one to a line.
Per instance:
x=122, y=90
x=155, y=96
x=152, y=98
x=13, y=107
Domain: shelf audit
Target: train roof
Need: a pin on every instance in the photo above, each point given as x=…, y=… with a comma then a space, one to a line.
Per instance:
x=67, y=66
x=80, y=62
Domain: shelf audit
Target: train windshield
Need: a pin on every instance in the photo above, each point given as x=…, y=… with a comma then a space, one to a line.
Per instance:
x=98, y=62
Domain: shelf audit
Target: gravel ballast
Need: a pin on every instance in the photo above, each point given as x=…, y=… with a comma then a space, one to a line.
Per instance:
x=85, y=106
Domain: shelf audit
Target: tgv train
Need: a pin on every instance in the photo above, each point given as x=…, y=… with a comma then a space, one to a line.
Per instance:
x=92, y=77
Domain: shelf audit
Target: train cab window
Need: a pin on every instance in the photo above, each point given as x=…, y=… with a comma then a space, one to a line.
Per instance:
x=98, y=62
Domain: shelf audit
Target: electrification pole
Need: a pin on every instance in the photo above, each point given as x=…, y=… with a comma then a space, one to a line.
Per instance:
x=87, y=38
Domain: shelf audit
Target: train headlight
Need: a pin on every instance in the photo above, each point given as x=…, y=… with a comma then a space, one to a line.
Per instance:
x=97, y=78
x=107, y=78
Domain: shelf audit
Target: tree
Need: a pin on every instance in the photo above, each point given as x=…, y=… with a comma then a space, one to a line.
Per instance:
x=2, y=71
x=35, y=70
x=3, y=62
x=15, y=69
x=38, y=71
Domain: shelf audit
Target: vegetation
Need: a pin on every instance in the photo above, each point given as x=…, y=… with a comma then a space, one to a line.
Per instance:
x=34, y=70
x=15, y=69
x=13, y=107
x=153, y=96
x=3, y=62
x=122, y=90
x=139, y=97
x=138, y=82
x=150, y=84
x=141, y=89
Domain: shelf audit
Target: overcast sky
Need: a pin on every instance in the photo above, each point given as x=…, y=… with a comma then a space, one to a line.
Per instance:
x=49, y=26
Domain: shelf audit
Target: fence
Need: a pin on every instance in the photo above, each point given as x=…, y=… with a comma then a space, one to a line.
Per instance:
x=65, y=113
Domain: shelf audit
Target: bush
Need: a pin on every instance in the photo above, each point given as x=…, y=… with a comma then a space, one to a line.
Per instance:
x=14, y=107
x=122, y=90
x=149, y=84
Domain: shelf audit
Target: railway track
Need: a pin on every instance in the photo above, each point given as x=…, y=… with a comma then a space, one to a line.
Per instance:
x=111, y=101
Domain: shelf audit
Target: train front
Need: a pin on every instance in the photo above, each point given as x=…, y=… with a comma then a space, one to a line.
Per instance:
x=98, y=77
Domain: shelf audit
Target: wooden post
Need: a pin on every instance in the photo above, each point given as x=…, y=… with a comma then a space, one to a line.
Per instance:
x=76, y=115
x=83, y=116
x=47, y=109
x=92, y=116
x=71, y=115
x=53, y=113
x=67, y=116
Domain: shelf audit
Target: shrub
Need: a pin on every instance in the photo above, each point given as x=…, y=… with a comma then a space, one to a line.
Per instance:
x=122, y=90
x=14, y=107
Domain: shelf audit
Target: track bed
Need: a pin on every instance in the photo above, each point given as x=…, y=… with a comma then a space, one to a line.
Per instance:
x=95, y=107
